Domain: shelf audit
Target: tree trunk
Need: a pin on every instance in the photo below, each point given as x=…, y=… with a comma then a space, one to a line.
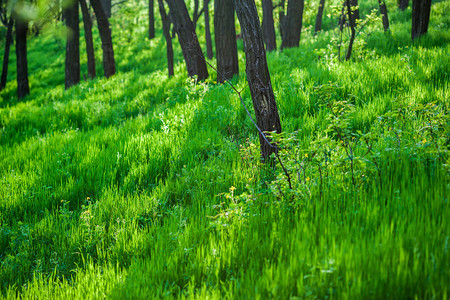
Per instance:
x=281, y=17
x=268, y=26
x=355, y=10
x=258, y=76
x=352, y=23
x=151, y=19
x=319, y=17
x=109, y=64
x=166, y=30
x=72, y=45
x=384, y=14
x=23, y=88
x=403, y=4
x=107, y=7
x=88, y=37
x=420, y=17
x=6, y=55
x=209, y=50
x=225, y=38
x=195, y=14
x=342, y=20
x=292, y=24
x=192, y=52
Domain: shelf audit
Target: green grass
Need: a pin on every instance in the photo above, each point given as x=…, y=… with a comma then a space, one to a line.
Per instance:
x=144, y=186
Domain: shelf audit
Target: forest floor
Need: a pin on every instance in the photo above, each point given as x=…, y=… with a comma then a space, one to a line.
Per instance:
x=144, y=186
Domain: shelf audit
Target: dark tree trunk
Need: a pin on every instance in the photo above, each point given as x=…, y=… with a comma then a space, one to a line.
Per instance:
x=355, y=10
x=319, y=17
x=6, y=55
x=281, y=16
x=72, y=45
x=258, y=76
x=384, y=14
x=352, y=24
x=403, y=4
x=342, y=20
x=107, y=7
x=88, y=37
x=268, y=26
x=151, y=19
x=196, y=13
x=292, y=24
x=23, y=87
x=192, y=52
x=225, y=38
x=209, y=50
x=420, y=17
x=166, y=30
x=109, y=64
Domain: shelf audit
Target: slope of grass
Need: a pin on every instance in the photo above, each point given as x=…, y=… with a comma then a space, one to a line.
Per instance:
x=147, y=186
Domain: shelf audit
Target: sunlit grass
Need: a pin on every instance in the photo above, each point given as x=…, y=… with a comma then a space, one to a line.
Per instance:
x=144, y=186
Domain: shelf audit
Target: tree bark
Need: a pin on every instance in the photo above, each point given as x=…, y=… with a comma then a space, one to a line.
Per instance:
x=352, y=23
x=107, y=7
x=268, y=26
x=192, y=52
x=6, y=54
x=342, y=20
x=319, y=17
x=72, y=45
x=23, y=88
x=403, y=4
x=225, y=38
x=196, y=13
x=209, y=50
x=166, y=30
x=151, y=19
x=355, y=10
x=88, y=37
x=109, y=64
x=420, y=17
x=258, y=76
x=384, y=14
x=292, y=24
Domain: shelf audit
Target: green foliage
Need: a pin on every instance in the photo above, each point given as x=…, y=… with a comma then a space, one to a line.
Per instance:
x=147, y=186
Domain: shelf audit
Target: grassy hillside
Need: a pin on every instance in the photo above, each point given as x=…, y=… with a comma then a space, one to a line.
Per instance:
x=145, y=186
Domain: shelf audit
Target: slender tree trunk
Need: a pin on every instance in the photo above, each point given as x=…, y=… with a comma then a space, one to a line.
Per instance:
x=420, y=17
x=281, y=17
x=352, y=23
x=292, y=24
x=403, y=4
x=73, y=45
x=109, y=64
x=258, y=76
x=268, y=26
x=6, y=55
x=192, y=52
x=107, y=7
x=384, y=13
x=342, y=20
x=355, y=10
x=151, y=19
x=209, y=50
x=166, y=30
x=23, y=88
x=225, y=38
x=196, y=13
x=88, y=37
x=319, y=17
